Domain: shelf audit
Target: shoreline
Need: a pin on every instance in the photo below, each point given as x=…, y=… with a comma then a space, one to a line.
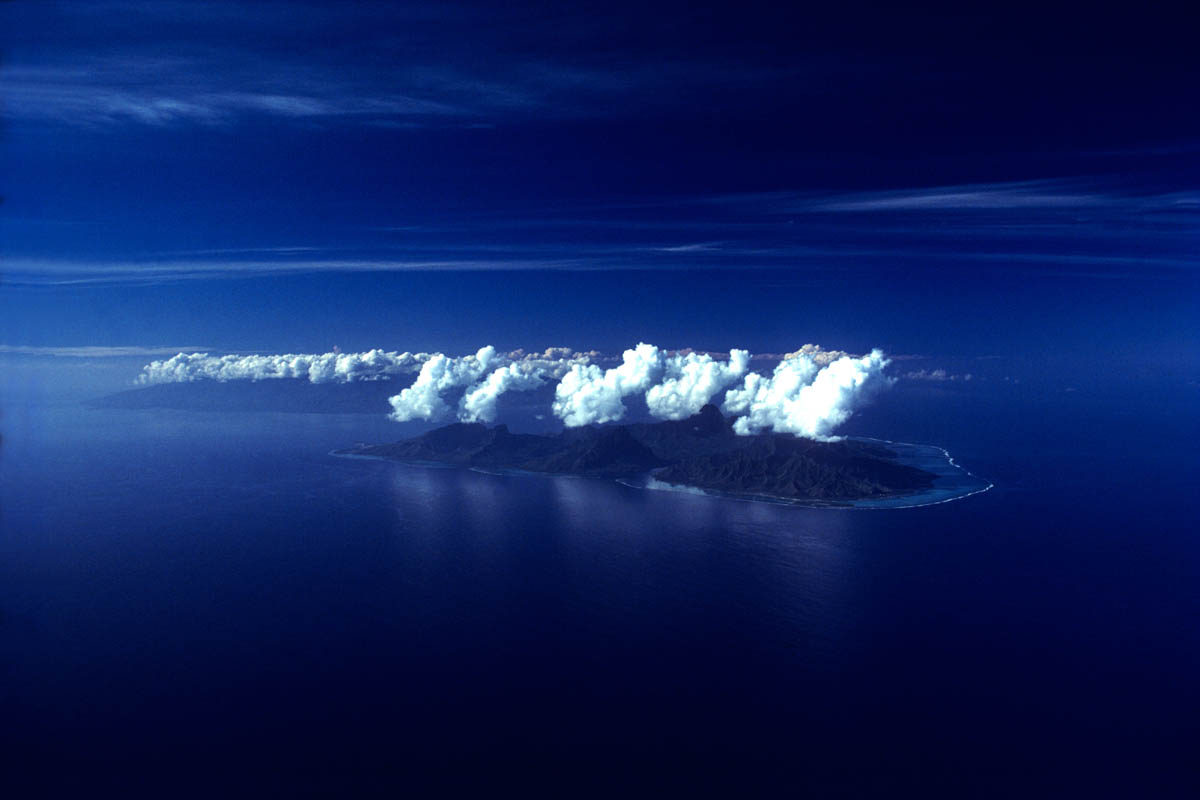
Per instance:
x=879, y=503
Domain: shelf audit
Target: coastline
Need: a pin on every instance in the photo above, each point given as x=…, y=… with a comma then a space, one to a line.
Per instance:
x=947, y=471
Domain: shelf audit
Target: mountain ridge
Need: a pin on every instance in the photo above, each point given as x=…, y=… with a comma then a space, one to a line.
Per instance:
x=701, y=451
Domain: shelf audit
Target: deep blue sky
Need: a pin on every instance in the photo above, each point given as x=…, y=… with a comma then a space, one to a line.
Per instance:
x=943, y=181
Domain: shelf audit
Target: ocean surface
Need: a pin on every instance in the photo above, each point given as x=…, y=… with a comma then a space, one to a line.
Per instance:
x=212, y=604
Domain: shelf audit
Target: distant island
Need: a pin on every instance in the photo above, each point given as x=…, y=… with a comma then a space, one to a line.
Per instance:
x=288, y=395
x=701, y=452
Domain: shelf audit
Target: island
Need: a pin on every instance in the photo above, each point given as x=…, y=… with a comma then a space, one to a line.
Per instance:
x=284, y=395
x=702, y=452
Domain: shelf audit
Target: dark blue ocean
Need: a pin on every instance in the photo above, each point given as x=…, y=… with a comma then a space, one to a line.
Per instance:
x=211, y=604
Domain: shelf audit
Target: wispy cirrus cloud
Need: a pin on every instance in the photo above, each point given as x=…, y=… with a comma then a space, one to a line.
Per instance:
x=1049, y=195
x=169, y=91
x=95, y=351
x=78, y=272
x=695, y=247
x=222, y=89
x=1078, y=228
x=984, y=197
x=409, y=65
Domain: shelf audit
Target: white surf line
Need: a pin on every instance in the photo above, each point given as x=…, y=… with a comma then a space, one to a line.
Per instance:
x=336, y=454
x=417, y=464
x=791, y=502
x=696, y=490
x=949, y=459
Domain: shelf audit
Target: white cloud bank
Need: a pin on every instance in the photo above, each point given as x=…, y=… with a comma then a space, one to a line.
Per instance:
x=810, y=392
x=423, y=400
x=317, y=368
x=676, y=386
x=588, y=394
x=485, y=376
x=479, y=402
x=803, y=398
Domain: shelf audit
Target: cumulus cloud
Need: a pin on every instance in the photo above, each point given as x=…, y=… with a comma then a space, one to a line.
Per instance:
x=315, y=367
x=810, y=392
x=557, y=355
x=588, y=394
x=691, y=380
x=479, y=402
x=334, y=367
x=814, y=351
x=676, y=384
x=423, y=399
x=819, y=355
x=804, y=398
x=485, y=376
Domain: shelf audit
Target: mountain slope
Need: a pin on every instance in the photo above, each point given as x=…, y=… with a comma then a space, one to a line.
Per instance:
x=702, y=451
